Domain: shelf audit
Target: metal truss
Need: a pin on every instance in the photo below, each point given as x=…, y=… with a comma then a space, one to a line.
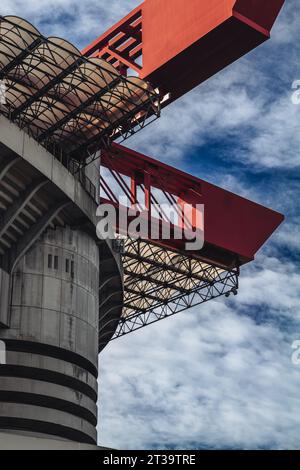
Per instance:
x=131, y=181
x=159, y=283
x=122, y=45
x=69, y=103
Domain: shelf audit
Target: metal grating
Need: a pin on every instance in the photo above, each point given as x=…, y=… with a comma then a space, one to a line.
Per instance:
x=70, y=103
x=159, y=283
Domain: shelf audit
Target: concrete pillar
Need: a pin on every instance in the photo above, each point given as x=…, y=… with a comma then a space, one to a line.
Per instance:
x=48, y=386
x=4, y=298
x=92, y=171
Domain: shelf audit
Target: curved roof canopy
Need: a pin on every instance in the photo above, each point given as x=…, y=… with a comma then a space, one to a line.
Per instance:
x=65, y=100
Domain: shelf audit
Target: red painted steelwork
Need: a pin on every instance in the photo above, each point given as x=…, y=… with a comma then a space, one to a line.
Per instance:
x=235, y=228
x=183, y=43
x=122, y=41
x=176, y=45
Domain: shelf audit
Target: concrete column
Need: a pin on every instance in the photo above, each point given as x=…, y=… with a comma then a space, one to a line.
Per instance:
x=4, y=298
x=48, y=386
x=92, y=171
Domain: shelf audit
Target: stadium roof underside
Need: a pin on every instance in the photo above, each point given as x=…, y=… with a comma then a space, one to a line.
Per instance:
x=72, y=105
x=162, y=276
x=159, y=283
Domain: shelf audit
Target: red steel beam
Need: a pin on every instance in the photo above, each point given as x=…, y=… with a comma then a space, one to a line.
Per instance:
x=235, y=228
x=181, y=44
x=185, y=42
x=112, y=32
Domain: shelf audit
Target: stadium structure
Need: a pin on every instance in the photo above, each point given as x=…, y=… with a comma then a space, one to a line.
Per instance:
x=65, y=292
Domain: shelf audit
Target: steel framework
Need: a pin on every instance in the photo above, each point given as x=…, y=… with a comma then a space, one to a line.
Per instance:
x=151, y=188
x=159, y=283
x=71, y=104
x=122, y=44
x=177, y=45
x=161, y=277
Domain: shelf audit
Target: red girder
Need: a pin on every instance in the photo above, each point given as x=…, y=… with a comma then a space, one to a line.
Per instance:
x=182, y=43
x=176, y=45
x=235, y=228
x=121, y=44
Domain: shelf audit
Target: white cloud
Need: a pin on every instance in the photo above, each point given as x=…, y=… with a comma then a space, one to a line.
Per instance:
x=219, y=375
x=289, y=235
x=263, y=127
x=78, y=21
x=277, y=139
x=220, y=107
x=210, y=377
x=273, y=284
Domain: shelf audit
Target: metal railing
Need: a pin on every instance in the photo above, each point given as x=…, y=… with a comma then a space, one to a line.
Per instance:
x=75, y=169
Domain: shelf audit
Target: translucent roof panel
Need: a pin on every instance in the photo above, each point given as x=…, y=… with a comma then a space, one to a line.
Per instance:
x=61, y=97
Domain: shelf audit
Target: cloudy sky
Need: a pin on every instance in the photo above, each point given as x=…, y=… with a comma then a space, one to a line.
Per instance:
x=220, y=375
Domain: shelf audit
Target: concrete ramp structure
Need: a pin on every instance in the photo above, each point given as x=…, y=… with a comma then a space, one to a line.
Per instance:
x=50, y=278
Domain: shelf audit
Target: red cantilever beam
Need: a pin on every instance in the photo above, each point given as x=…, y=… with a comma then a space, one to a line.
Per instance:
x=185, y=42
x=235, y=228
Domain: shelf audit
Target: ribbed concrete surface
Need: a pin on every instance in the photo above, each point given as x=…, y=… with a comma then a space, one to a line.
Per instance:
x=49, y=383
x=14, y=441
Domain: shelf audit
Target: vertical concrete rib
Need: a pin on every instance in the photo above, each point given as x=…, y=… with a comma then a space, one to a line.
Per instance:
x=49, y=384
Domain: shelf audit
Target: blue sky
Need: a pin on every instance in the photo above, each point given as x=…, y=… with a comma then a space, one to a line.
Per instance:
x=220, y=375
